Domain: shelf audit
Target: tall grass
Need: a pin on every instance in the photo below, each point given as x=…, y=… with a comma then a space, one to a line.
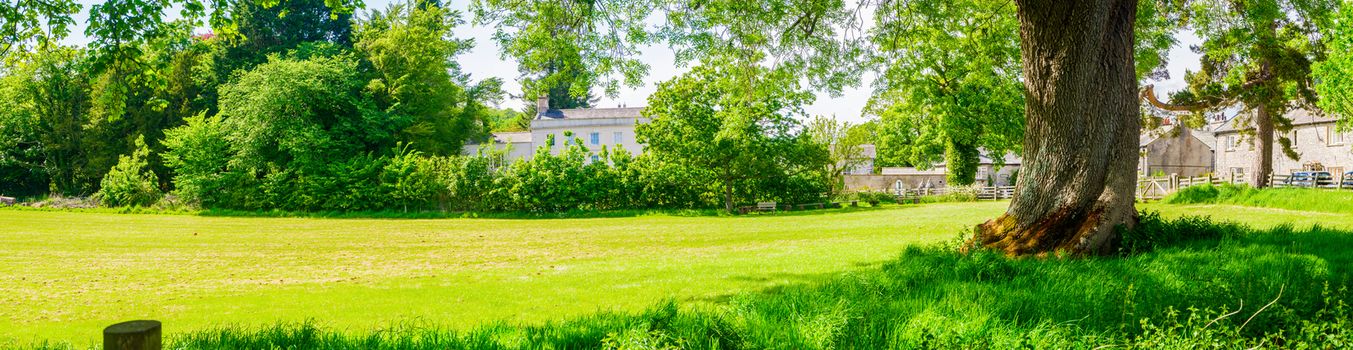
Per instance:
x=1322, y=200
x=1179, y=284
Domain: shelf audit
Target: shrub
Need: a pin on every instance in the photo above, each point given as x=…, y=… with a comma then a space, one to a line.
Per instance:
x=130, y=182
x=875, y=198
x=1153, y=232
x=955, y=194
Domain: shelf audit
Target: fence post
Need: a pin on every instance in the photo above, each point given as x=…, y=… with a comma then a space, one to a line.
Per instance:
x=132, y=335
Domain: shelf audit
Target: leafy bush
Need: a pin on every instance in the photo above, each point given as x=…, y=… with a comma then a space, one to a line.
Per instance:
x=875, y=198
x=130, y=182
x=954, y=194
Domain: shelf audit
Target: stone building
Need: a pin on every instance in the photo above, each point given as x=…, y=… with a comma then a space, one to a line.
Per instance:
x=1176, y=150
x=1315, y=139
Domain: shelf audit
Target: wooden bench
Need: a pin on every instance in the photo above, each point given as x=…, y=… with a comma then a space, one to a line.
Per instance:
x=908, y=196
x=760, y=206
x=810, y=205
x=7, y=200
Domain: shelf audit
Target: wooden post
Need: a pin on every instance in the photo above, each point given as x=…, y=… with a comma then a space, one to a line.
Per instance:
x=132, y=335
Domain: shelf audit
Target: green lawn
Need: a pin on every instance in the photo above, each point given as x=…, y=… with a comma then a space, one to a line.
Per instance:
x=69, y=274
x=66, y=275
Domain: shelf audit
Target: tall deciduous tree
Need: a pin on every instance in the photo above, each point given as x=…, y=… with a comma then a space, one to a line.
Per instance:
x=1257, y=54
x=738, y=129
x=955, y=71
x=844, y=143
x=1080, y=145
x=413, y=52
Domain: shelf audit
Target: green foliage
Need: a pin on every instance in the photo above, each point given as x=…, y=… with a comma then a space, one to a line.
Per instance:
x=736, y=124
x=1334, y=75
x=413, y=51
x=844, y=143
x=130, y=182
x=49, y=90
x=261, y=28
x=1257, y=54
x=21, y=153
x=37, y=23
x=199, y=154
x=952, y=85
x=564, y=48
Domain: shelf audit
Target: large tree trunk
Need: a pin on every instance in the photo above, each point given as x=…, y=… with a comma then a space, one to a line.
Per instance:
x=1263, y=146
x=1080, y=145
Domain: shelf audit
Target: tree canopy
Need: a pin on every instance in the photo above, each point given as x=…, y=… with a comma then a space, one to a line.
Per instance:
x=735, y=123
x=954, y=72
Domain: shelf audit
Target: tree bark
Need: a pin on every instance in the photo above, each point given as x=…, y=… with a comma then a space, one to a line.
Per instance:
x=1263, y=146
x=1076, y=187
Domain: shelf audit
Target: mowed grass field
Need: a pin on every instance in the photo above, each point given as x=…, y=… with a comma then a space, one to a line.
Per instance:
x=68, y=274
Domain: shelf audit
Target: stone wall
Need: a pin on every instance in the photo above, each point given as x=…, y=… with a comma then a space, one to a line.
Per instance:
x=875, y=183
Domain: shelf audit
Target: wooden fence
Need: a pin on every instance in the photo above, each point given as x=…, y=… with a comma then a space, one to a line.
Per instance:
x=1154, y=188
x=988, y=192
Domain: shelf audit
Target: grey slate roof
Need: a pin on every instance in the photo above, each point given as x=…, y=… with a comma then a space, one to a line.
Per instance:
x=592, y=113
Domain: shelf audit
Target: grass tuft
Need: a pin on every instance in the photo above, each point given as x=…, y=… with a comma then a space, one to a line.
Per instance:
x=1305, y=199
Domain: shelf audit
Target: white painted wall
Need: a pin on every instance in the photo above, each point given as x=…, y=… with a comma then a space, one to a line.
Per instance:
x=607, y=130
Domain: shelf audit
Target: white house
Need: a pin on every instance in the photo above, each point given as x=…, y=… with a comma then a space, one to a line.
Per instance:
x=611, y=128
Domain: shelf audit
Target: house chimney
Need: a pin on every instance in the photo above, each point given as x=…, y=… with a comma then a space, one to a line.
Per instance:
x=542, y=104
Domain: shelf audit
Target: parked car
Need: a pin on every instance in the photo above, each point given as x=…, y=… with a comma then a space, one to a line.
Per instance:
x=1310, y=179
x=1348, y=179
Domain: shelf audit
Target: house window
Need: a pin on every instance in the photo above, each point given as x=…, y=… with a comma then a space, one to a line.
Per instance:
x=550, y=139
x=1336, y=138
x=595, y=158
x=596, y=138
x=619, y=137
x=1238, y=171
x=1230, y=143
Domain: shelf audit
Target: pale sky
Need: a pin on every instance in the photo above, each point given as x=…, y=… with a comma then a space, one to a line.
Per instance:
x=484, y=61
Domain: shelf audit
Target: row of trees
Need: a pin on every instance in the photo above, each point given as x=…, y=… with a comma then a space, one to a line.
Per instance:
x=301, y=83
x=305, y=108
